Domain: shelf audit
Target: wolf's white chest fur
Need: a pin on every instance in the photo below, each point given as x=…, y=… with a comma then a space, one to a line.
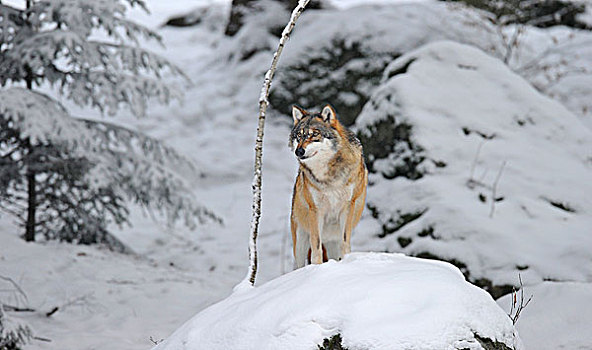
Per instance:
x=332, y=199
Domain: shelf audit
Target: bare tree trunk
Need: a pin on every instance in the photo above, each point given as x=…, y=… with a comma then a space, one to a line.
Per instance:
x=31, y=184
x=31, y=207
x=263, y=102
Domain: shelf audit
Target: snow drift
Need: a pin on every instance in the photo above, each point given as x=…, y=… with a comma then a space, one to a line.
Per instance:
x=375, y=301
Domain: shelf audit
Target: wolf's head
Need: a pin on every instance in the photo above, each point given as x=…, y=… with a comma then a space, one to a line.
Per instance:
x=314, y=136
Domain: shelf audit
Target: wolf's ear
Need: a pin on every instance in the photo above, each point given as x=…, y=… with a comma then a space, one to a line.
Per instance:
x=329, y=115
x=297, y=113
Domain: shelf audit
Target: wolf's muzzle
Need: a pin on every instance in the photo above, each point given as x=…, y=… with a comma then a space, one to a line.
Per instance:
x=299, y=152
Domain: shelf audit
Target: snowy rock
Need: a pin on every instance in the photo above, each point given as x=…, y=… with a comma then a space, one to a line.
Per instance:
x=328, y=61
x=504, y=171
x=374, y=301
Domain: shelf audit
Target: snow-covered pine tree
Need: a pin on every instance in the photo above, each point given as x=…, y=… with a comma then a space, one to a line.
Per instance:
x=12, y=335
x=68, y=178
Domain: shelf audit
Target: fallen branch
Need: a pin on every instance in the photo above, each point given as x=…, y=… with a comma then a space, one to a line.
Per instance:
x=41, y=339
x=12, y=308
x=52, y=311
x=263, y=103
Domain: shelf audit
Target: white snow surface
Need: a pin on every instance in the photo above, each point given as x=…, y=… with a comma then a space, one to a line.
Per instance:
x=374, y=300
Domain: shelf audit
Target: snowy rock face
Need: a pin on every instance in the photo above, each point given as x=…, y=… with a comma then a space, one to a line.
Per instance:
x=339, y=56
x=504, y=172
x=375, y=301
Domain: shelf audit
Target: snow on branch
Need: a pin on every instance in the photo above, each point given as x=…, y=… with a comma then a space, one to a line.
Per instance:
x=41, y=119
x=53, y=41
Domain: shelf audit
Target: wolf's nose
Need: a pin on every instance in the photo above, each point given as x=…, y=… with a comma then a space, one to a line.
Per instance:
x=299, y=152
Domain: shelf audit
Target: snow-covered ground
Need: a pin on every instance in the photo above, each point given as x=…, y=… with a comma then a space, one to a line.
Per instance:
x=113, y=301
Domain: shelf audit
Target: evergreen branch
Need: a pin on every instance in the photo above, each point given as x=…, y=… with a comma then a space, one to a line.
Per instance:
x=107, y=91
x=117, y=140
x=87, y=15
x=133, y=58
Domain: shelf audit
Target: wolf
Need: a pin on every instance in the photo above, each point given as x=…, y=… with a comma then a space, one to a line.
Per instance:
x=330, y=189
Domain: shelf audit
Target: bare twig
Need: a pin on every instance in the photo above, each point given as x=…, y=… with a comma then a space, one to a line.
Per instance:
x=512, y=43
x=494, y=189
x=155, y=342
x=16, y=287
x=471, y=182
x=263, y=102
x=518, y=304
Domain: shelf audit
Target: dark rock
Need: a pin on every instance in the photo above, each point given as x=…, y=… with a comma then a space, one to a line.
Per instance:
x=341, y=73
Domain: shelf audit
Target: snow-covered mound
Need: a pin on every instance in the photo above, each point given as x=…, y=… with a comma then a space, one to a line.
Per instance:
x=375, y=301
x=503, y=172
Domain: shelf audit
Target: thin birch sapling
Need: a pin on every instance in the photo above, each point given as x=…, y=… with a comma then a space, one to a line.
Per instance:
x=263, y=103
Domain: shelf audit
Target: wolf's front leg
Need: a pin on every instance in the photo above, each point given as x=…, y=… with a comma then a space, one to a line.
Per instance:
x=301, y=248
x=316, y=256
